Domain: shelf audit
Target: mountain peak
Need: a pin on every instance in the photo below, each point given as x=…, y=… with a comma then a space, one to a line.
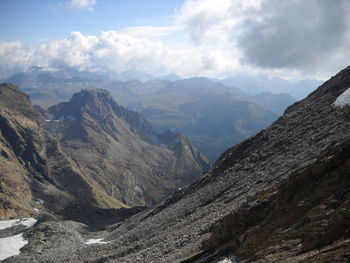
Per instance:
x=92, y=96
x=87, y=100
x=122, y=146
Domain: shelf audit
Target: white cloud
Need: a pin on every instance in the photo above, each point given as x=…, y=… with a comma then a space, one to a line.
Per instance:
x=215, y=38
x=81, y=4
x=272, y=35
x=150, y=31
x=115, y=51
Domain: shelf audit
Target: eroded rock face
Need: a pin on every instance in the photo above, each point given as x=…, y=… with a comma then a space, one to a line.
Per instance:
x=304, y=218
x=31, y=162
x=99, y=154
x=121, y=154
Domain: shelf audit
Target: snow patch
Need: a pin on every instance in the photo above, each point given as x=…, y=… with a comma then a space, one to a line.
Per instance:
x=27, y=222
x=10, y=246
x=343, y=99
x=7, y=223
x=96, y=241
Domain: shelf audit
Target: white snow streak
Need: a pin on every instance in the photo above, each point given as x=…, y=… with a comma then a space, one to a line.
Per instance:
x=96, y=241
x=8, y=223
x=28, y=222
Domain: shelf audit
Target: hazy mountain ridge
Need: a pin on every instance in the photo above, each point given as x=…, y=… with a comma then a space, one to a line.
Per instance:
x=166, y=104
x=260, y=84
x=277, y=102
x=212, y=115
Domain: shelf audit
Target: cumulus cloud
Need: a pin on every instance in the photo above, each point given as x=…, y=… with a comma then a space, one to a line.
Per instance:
x=309, y=36
x=81, y=4
x=296, y=34
x=112, y=51
x=222, y=38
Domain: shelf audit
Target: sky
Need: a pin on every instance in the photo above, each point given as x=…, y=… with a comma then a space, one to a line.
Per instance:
x=292, y=39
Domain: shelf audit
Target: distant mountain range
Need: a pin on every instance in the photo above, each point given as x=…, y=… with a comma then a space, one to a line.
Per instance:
x=211, y=114
x=262, y=84
x=249, y=84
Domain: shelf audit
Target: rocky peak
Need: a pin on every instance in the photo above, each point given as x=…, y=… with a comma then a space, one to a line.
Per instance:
x=119, y=148
x=98, y=101
x=99, y=106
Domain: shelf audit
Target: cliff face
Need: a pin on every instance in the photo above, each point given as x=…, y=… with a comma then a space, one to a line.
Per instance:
x=17, y=150
x=118, y=150
x=32, y=165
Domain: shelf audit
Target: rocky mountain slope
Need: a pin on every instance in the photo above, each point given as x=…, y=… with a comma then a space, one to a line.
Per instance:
x=120, y=152
x=32, y=166
x=280, y=196
x=305, y=218
x=99, y=155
